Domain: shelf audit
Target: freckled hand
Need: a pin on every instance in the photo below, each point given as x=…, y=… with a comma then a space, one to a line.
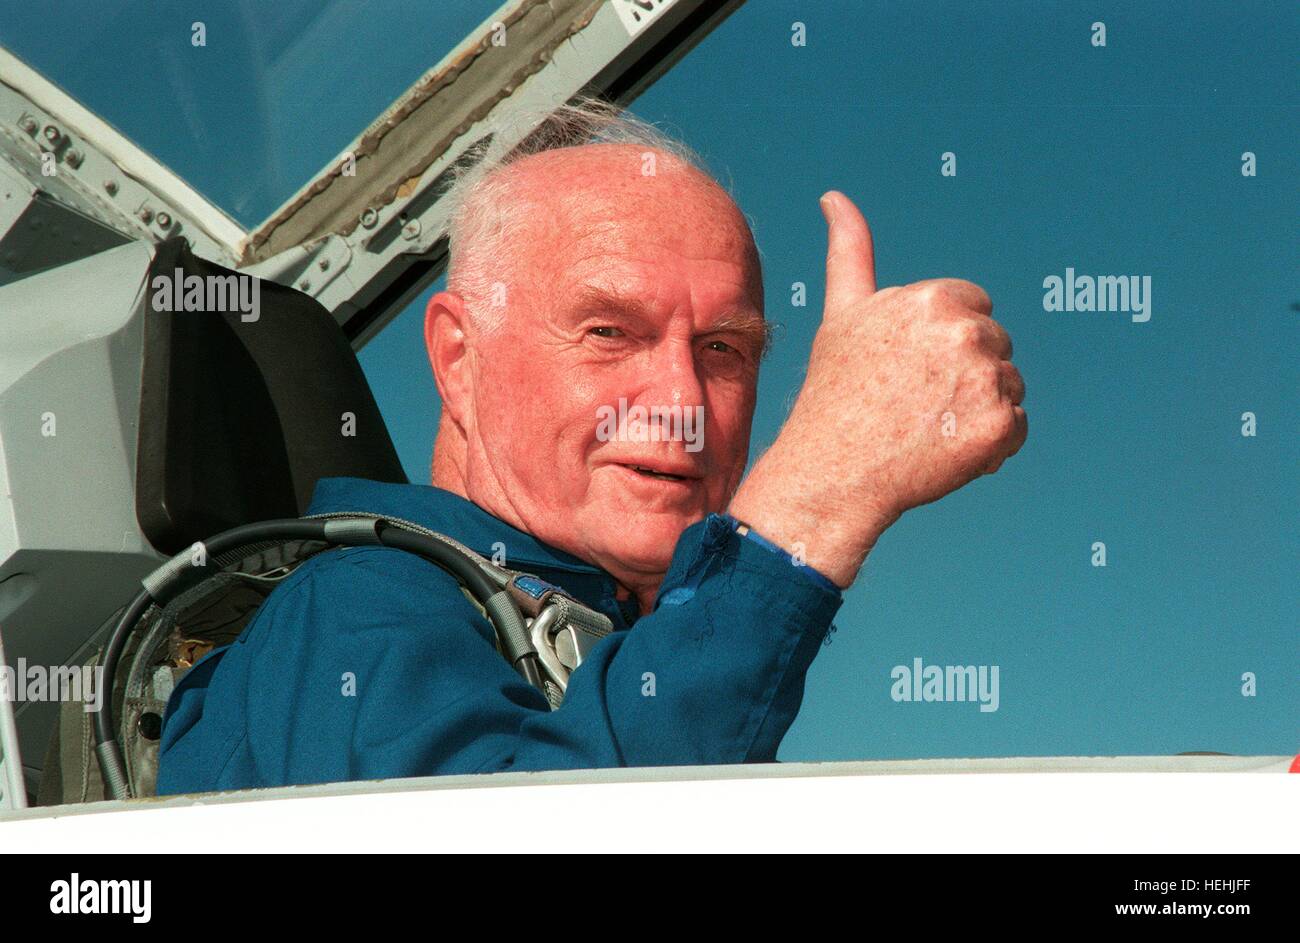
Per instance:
x=910, y=394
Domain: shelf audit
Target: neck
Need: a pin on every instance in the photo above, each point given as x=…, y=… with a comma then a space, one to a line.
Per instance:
x=449, y=473
x=449, y=459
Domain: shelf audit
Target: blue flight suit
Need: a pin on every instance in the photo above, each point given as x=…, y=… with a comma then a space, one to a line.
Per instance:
x=369, y=662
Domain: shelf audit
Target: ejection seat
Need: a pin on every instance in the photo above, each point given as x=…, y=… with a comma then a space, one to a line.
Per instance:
x=169, y=427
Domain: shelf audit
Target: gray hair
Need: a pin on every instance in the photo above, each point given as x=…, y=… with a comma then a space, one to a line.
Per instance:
x=481, y=211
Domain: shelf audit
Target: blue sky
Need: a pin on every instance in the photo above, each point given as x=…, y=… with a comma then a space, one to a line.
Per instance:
x=1122, y=160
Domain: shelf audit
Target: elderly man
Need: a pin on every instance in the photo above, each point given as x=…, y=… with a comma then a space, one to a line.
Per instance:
x=613, y=274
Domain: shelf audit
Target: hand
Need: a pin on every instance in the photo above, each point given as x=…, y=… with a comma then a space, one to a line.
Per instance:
x=910, y=394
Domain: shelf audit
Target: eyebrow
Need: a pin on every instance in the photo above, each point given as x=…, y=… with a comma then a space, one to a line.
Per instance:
x=754, y=328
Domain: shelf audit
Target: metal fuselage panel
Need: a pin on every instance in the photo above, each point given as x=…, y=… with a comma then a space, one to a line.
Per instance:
x=71, y=550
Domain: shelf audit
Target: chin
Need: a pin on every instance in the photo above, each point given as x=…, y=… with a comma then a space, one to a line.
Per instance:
x=648, y=548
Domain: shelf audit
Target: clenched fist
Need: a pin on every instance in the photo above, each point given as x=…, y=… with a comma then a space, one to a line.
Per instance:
x=910, y=394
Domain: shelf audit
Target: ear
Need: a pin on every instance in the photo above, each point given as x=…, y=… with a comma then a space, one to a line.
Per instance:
x=446, y=324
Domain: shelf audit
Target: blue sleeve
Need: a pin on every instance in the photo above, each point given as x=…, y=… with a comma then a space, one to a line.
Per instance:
x=371, y=664
x=714, y=675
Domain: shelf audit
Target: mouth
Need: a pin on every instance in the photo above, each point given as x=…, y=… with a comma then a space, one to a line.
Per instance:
x=650, y=473
x=658, y=474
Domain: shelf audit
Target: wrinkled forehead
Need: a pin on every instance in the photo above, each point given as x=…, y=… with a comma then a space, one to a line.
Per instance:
x=622, y=211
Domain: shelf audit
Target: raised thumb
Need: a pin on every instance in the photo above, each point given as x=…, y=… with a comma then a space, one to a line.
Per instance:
x=850, y=256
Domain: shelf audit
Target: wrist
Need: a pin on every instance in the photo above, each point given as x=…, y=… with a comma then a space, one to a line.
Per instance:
x=752, y=535
x=834, y=544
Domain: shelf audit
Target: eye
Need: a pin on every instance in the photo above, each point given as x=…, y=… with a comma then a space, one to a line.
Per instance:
x=722, y=347
x=606, y=332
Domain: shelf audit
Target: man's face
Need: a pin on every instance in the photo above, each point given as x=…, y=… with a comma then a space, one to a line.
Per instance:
x=631, y=291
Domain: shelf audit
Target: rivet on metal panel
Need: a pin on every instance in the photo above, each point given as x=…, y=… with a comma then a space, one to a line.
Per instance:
x=74, y=158
x=369, y=218
x=411, y=230
x=110, y=187
x=28, y=124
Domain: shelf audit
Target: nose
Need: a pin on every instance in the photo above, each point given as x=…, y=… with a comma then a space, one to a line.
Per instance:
x=674, y=375
x=672, y=379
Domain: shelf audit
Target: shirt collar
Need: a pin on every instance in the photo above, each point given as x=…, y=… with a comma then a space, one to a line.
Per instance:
x=459, y=518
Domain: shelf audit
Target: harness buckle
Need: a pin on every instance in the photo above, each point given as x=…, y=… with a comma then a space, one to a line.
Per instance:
x=561, y=629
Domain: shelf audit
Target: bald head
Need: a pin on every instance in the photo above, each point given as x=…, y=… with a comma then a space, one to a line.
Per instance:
x=507, y=230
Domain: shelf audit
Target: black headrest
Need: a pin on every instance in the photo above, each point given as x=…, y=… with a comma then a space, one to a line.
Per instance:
x=240, y=418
